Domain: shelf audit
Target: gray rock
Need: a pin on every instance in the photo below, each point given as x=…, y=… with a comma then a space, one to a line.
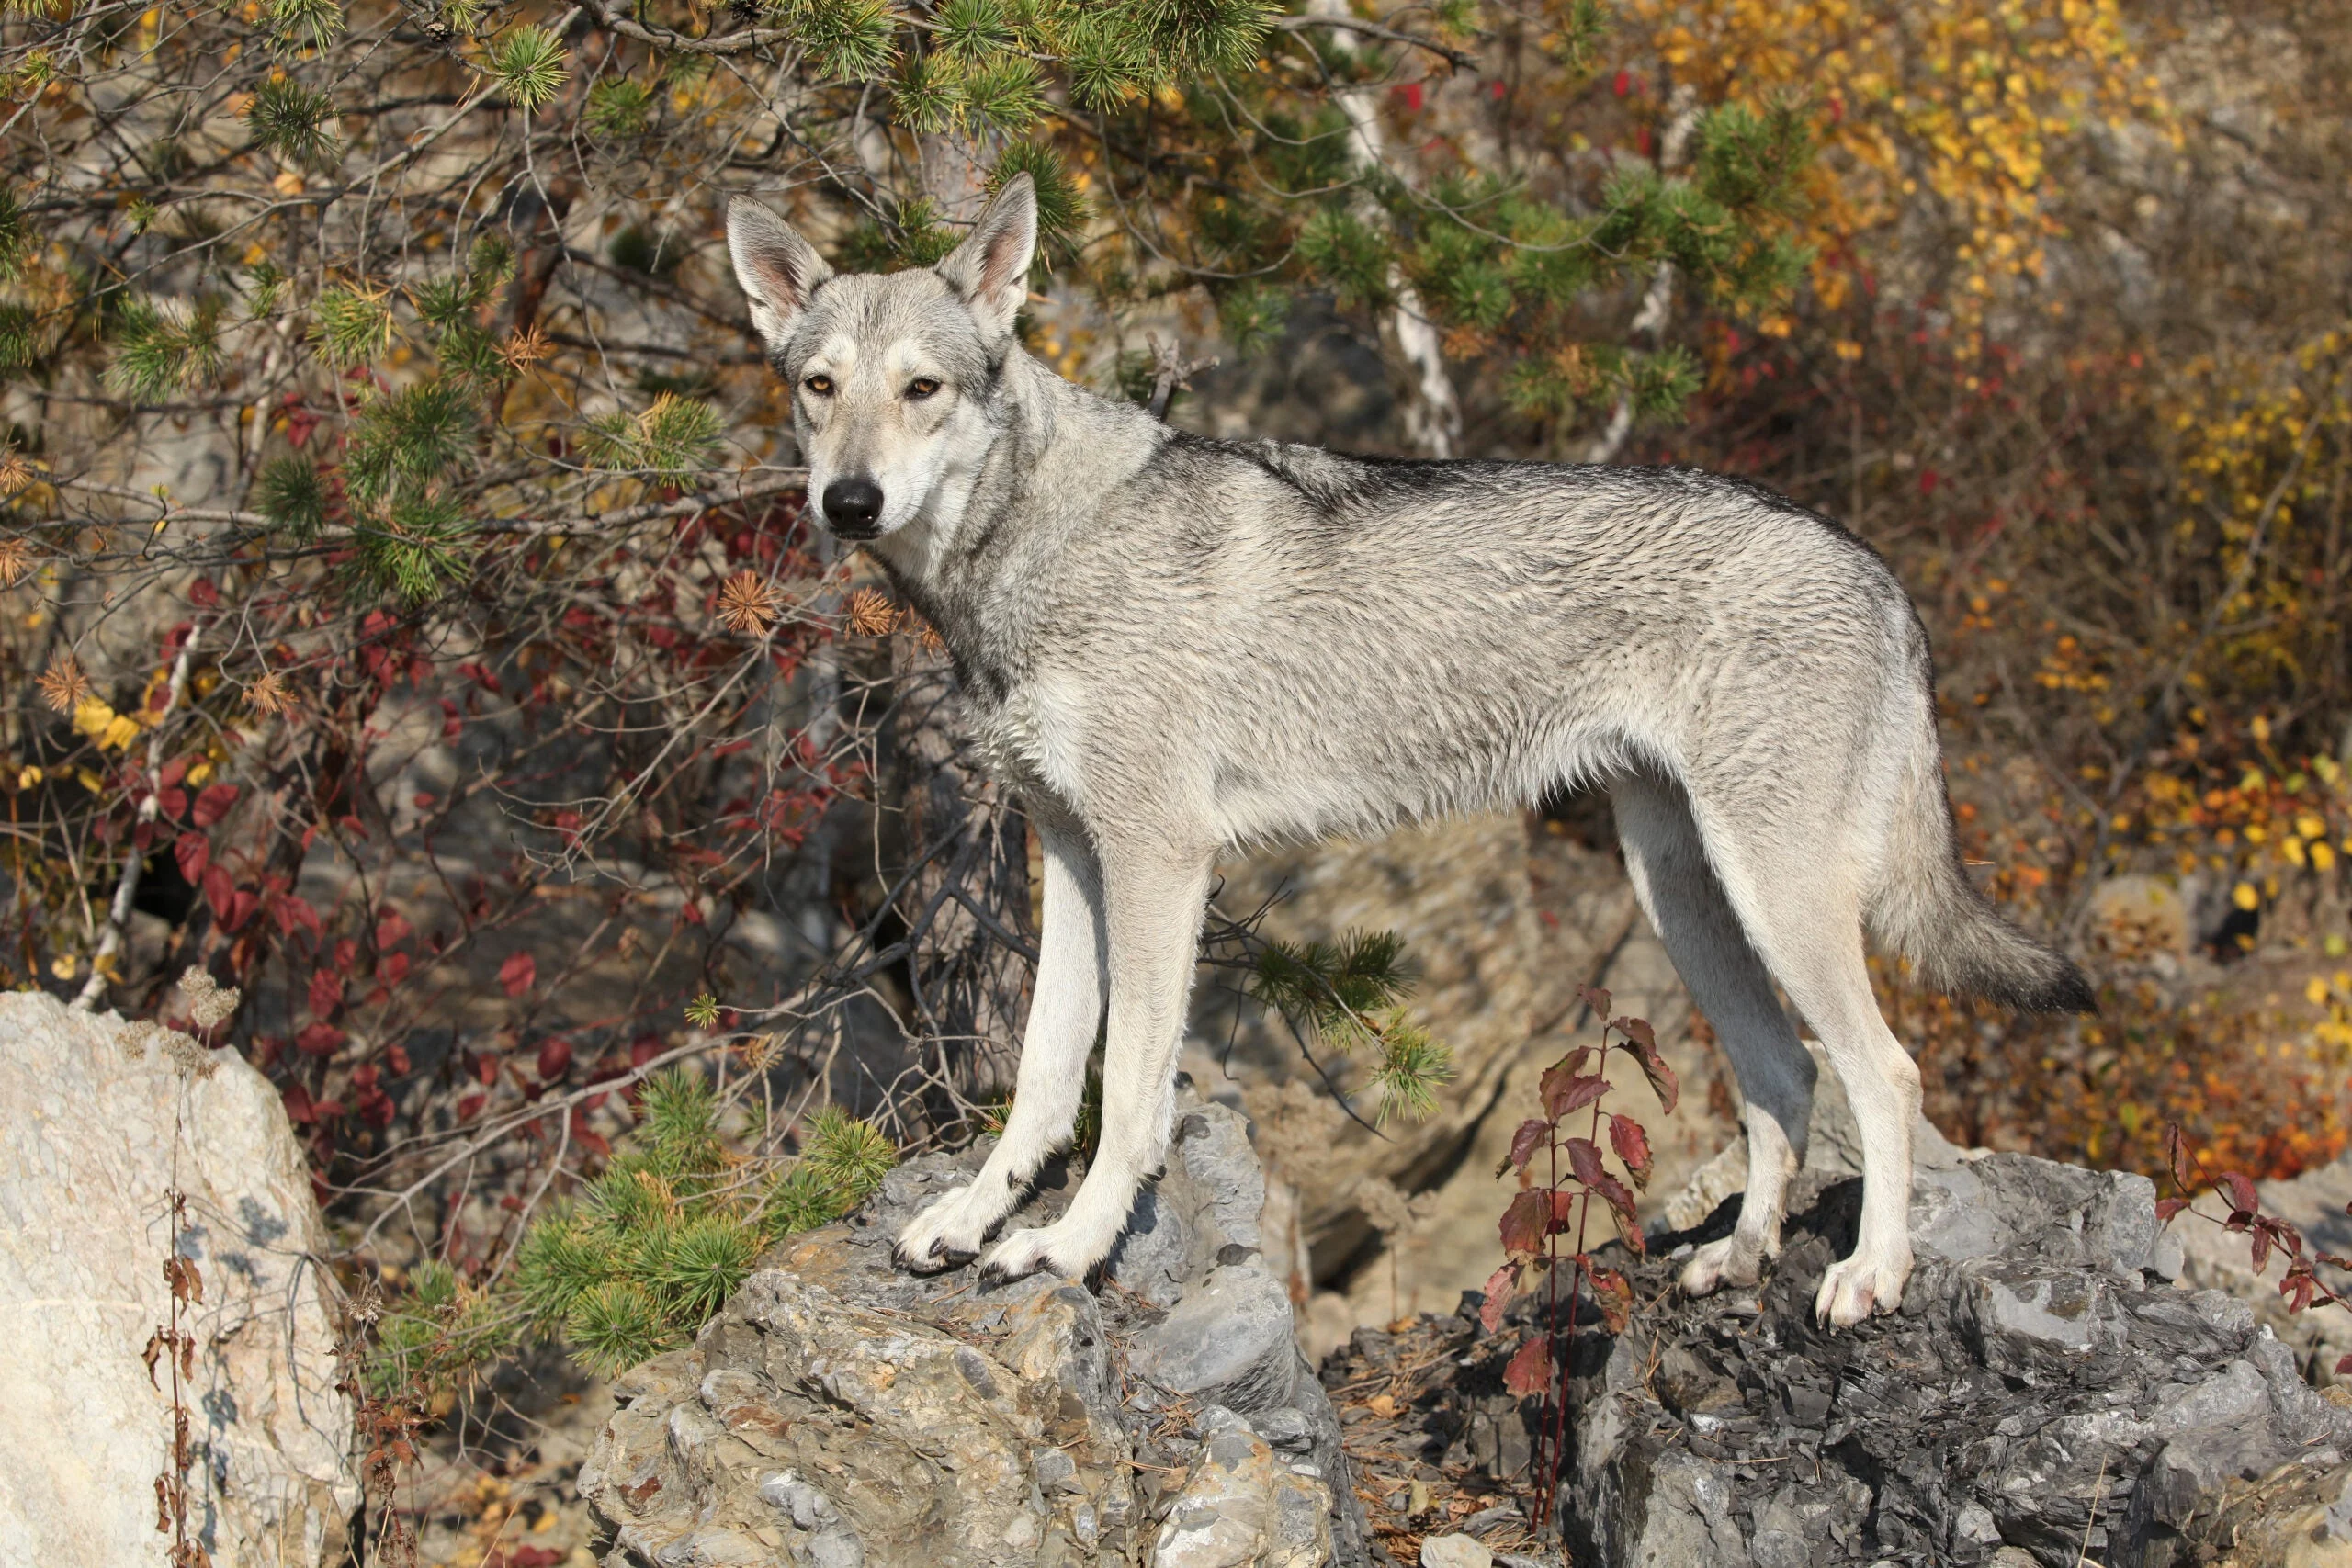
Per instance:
x=2044, y=1393
x=840, y=1413
x=1227, y=1341
x=1240, y=1507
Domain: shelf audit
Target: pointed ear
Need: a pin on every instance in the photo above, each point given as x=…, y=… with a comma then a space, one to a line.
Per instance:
x=777, y=268
x=991, y=268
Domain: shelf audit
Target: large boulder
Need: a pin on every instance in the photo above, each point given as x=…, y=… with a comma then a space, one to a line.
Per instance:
x=843, y=1413
x=104, y=1120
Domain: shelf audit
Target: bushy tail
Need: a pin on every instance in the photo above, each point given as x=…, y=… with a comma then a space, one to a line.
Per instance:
x=1928, y=910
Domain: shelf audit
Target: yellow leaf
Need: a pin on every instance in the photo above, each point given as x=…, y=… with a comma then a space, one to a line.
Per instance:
x=65, y=967
x=2323, y=857
x=2245, y=896
x=29, y=777
x=2317, y=992
x=119, y=734
x=2311, y=825
x=92, y=717
x=89, y=780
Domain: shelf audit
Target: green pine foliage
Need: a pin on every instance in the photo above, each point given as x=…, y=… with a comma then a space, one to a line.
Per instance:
x=291, y=120
x=666, y=1233
x=162, y=347
x=292, y=496
x=643, y=1258
x=669, y=439
x=528, y=64
x=1350, y=995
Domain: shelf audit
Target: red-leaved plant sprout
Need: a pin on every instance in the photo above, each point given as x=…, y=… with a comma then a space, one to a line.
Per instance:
x=2264, y=1233
x=1560, y=1205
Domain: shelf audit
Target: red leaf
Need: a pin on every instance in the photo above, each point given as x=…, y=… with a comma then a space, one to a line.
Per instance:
x=1563, y=1092
x=470, y=1106
x=172, y=803
x=1583, y=1159
x=555, y=1059
x=1614, y=1295
x=2169, y=1209
x=1526, y=1222
x=240, y=909
x=174, y=771
x=1632, y=1147
x=2261, y=1248
x=320, y=1039
x=1530, y=1137
x=1529, y=1370
x=2344, y=1366
x=299, y=1109
x=1663, y=1083
x=392, y=970
x=1636, y=1030
x=2241, y=1191
x=393, y=929
x=219, y=891
x=1594, y=996
x=517, y=974
x=1501, y=1286
x=194, y=852
x=326, y=993
x=2185, y=1174
x=202, y=594
x=212, y=804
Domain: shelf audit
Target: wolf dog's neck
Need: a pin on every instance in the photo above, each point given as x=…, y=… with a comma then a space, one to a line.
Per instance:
x=1053, y=453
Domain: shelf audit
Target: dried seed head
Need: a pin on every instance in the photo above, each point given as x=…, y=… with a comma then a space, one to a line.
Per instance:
x=748, y=605
x=871, y=614
x=270, y=694
x=63, y=685
x=16, y=562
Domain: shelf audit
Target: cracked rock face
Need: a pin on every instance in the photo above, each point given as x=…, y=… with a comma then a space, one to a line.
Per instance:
x=104, y=1117
x=2045, y=1385
x=842, y=1414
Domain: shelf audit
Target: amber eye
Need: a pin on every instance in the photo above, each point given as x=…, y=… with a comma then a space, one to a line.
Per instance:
x=820, y=385
x=921, y=387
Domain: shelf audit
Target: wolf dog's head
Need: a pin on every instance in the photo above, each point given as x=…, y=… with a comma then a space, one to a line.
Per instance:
x=891, y=376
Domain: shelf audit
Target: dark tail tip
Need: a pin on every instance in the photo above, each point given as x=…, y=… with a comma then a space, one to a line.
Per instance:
x=2063, y=987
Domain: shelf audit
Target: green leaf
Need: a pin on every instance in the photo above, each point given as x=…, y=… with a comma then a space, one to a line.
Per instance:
x=290, y=493
x=350, y=324
x=618, y=108
x=850, y=1155
x=528, y=64
x=162, y=348
x=16, y=237
x=614, y=1326
x=400, y=442
x=1061, y=209
x=291, y=120
x=293, y=26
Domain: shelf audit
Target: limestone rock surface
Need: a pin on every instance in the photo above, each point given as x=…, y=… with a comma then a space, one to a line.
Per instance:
x=843, y=1413
x=102, y=1118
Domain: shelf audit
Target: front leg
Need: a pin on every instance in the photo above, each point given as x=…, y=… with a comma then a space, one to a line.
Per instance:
x=1153, y=898
x=1064, y=1014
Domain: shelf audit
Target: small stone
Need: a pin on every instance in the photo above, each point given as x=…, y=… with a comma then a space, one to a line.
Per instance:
x=1455, y=1551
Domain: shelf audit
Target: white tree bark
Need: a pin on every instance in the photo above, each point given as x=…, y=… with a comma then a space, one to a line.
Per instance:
x=1433, y=422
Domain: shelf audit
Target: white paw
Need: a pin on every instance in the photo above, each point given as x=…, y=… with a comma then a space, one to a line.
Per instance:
x=1061, y=1248
x=951, y=1230
x=1857, y=1286
x=1737, y=1259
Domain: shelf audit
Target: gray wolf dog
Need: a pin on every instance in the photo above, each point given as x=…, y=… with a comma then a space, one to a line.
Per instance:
x=1169, y=647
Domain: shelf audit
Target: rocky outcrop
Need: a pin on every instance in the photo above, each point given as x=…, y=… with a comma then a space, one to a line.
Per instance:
x=843, y=1414
x=2048, y=1394
x=102, y=1118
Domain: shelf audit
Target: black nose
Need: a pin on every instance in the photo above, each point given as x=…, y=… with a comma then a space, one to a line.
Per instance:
x=852, y=507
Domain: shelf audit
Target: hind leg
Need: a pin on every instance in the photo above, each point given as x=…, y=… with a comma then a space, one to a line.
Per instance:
x=1680, y=892
x=1795, y=895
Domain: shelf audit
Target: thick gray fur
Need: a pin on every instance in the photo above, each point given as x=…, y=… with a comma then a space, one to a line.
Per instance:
x=1171, y=647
